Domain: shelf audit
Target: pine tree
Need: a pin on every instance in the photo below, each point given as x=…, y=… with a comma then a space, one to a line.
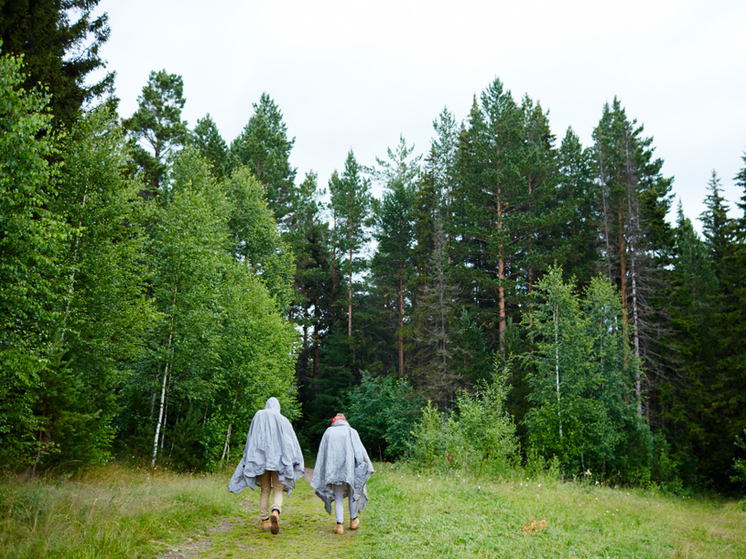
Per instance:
x=579, y=223
x=351, y=205
x=157, y=129
x=264, y=147
x=634, y=198
x=489, y=193
x=729, y=390
x=310, y=239
x=395, y=231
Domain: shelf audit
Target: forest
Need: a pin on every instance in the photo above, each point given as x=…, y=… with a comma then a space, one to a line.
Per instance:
x=158, y=283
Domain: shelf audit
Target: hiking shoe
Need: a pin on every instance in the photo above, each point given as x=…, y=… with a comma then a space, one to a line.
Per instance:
x=339, y=529
x=275, y=521
x=354, y=523
x=265, y=524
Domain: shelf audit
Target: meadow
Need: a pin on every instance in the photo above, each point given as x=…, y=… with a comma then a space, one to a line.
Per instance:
x=131, y=511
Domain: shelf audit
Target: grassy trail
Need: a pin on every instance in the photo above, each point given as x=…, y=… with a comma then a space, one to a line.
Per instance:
x=305, y=531
x=127, y=512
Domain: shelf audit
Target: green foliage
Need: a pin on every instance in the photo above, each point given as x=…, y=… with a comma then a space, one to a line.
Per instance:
x=739, y=464
x=383, y=410
x=254, y=239
x=478, y=436
x=106, y=313
x=31, y=241
x=208, y=142
x=263, y=147
x=59, y=52
x=221, y=346
x=581, y=374
x=156, y=127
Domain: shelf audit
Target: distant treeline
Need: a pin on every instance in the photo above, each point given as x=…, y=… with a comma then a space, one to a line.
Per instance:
x=158, y=283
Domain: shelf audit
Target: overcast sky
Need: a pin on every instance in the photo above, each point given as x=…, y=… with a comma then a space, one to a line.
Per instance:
x=350, y=74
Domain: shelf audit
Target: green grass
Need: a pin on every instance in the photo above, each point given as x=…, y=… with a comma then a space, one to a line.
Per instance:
x=427, y=516
x=127, y=512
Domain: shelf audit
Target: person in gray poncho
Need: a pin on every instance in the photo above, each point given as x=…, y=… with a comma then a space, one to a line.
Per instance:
x=342, y=470
x=273, y=459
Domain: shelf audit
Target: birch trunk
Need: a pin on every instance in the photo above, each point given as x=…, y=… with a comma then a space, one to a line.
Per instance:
x=169, y=358
x=556, y=367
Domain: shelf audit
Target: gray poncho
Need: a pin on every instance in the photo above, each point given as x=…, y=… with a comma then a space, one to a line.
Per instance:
x=271, y=445
x=342, y=460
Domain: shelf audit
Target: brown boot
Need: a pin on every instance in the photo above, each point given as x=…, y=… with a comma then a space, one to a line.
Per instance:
x=354, y=523
x=265, y=524
x=339, y=529
x=275, y=521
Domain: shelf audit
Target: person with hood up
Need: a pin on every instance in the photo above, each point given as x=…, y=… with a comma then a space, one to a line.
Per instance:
x=273, y=459
x=342, y=470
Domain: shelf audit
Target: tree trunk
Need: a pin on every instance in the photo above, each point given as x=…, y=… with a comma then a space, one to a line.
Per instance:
x=401, y=324
x=623, y=266
x=556, y=366
x=169, y=357
x=349, y=301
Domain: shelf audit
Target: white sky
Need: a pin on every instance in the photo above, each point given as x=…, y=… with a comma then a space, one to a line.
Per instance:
x=350, y=74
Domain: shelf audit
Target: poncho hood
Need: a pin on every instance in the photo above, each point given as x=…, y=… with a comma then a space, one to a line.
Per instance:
x=273, y=404
x=342, y=460
x=271, y=445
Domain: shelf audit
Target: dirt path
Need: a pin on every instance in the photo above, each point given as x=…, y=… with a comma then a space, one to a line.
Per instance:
x=308, y=475
x=305, y=531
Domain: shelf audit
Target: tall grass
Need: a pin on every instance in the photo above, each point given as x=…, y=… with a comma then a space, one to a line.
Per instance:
x=121, y=511
x=108, y=512
x=421, y=515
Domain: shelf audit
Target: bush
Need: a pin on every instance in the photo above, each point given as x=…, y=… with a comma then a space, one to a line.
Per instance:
x=383, y=410
x=477, y=437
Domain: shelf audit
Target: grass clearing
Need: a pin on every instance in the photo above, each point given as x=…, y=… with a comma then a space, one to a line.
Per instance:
x=120, y=511
x=427, y=516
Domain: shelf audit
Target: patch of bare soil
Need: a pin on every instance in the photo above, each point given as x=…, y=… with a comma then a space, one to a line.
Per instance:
x=190, y=548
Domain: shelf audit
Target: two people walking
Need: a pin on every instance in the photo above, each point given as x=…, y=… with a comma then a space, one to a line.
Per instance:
x=273, y=460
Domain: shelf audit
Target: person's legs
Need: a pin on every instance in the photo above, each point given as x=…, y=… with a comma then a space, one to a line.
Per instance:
x=277, y=489
x=277, y=493
x=354, y=522
x=265, y=483
x=339, y=510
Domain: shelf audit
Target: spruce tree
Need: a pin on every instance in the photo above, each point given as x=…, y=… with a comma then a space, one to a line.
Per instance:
x=60, y=42
x=209, y=144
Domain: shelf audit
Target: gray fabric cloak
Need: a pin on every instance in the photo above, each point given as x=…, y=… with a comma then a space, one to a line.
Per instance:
x=271, y=445
x=342, y=460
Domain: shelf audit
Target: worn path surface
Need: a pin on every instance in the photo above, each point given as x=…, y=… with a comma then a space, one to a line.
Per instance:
x=305, y=531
